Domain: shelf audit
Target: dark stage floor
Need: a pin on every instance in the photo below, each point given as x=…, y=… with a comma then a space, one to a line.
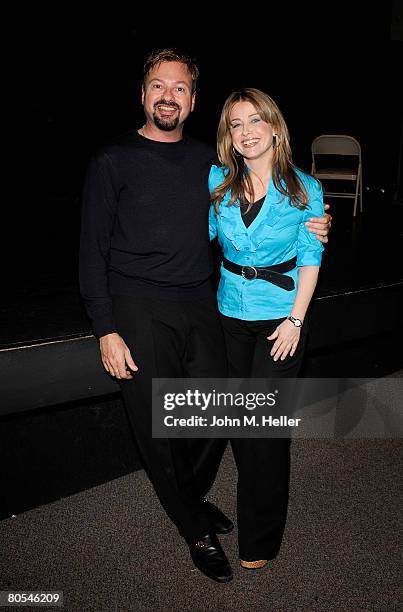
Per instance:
x=112, y=548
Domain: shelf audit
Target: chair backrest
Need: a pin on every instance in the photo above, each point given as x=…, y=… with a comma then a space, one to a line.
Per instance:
x=336, y=144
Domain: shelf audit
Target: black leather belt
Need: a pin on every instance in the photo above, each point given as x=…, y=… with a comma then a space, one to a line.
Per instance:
x=272, y=274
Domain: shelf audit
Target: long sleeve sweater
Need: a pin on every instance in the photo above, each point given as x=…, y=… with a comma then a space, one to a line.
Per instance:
x=144, y=227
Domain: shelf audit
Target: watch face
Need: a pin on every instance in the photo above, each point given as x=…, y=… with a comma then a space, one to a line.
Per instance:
x=297, y=322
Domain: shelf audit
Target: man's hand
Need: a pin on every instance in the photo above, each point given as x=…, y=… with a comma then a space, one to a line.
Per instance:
x=320, y=226
x=116, y=356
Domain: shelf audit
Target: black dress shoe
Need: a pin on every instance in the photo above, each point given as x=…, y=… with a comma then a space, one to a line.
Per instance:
x=209, y=557
x=219, y=522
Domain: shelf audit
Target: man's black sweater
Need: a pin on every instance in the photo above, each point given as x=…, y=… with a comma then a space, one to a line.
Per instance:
x=144, y=223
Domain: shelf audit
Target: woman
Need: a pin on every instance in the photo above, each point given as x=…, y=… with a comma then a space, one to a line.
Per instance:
x=260, y=202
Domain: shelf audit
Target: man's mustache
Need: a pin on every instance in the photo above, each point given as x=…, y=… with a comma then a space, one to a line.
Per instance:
x=167, y=103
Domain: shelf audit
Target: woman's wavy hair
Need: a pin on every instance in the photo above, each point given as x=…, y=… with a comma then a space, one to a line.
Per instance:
x=238, y=180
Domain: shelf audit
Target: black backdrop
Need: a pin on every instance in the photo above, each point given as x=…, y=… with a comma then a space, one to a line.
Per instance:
x=331, y=68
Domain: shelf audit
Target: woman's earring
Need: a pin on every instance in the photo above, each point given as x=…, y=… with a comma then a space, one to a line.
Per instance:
x=274, y=141
x=235, y=152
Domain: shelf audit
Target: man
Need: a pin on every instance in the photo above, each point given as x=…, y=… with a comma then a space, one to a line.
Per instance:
x=145, y=268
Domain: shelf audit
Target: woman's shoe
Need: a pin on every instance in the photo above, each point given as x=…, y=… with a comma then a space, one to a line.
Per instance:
x=254, y=564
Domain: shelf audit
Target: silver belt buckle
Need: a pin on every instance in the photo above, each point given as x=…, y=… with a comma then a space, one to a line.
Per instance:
x=249, y=268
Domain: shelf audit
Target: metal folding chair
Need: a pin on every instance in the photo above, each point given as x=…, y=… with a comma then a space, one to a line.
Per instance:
x=347, y=146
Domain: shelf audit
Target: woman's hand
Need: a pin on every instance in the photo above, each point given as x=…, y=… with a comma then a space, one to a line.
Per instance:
x=286, y=337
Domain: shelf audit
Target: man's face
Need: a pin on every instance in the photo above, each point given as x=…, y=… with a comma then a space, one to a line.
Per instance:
x=167, y=95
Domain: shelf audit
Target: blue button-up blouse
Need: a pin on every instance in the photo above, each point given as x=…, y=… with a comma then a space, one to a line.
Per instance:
x=277, y=234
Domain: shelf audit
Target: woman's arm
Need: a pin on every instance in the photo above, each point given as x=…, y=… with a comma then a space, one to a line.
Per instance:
x=307, y=280
x=287, y=335
x=212, y=223
x=309, y=255
x=215, y=178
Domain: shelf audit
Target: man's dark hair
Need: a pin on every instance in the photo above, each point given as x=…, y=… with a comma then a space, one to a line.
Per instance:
x=171, y=55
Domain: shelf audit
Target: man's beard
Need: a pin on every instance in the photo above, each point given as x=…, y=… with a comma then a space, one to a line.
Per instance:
x=166, y=123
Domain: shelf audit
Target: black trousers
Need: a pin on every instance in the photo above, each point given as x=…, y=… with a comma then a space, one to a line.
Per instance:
x=263, y=463
x=173, y=339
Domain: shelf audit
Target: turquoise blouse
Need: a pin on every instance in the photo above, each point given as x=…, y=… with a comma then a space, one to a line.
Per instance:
x=276, y=235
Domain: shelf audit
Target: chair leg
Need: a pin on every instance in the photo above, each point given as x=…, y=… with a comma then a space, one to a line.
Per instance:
x=355, y=205
x=356, y=194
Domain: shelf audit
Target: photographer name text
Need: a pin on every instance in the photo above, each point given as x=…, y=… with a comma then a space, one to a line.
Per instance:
x=226, y=421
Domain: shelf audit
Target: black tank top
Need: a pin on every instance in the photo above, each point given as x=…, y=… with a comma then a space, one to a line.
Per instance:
x=251, y=215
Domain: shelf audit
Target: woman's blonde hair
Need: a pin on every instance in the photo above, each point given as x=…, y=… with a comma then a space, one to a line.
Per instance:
x=238, y=180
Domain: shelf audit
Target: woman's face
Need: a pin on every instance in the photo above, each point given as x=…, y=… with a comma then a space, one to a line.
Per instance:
x=251, y=136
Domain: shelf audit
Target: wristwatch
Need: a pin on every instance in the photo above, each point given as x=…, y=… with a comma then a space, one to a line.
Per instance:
x=296, y=322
